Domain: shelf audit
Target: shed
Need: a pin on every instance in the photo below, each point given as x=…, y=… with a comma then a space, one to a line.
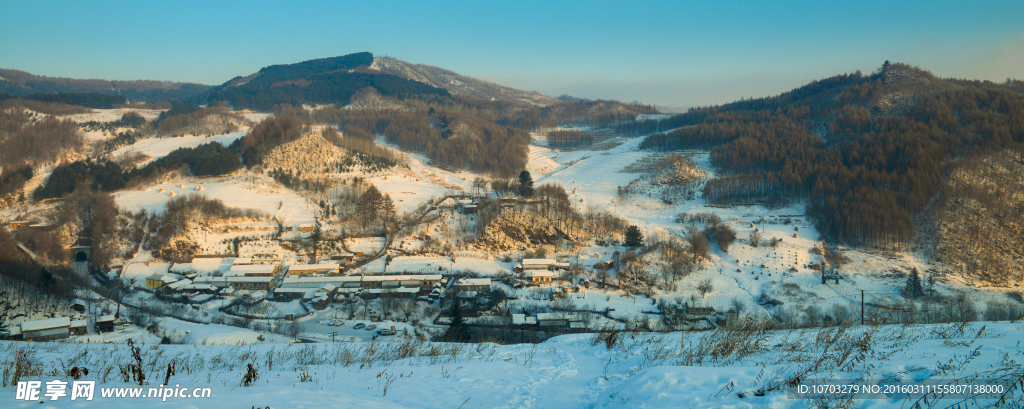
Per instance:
x=46, y=330
x=79, y=327
x=105, y=323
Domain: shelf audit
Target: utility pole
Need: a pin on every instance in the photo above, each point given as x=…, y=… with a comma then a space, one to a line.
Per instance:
x=861, y=307
x=333, y=333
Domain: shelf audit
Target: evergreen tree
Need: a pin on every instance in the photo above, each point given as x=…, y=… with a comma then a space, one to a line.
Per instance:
x=525, y=184
x=634, y=238
x=4, y=330
x=929, y=288
x=913, y=289
x=457, y=330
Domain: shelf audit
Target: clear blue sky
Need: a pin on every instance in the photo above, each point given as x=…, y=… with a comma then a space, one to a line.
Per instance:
x=671, y=53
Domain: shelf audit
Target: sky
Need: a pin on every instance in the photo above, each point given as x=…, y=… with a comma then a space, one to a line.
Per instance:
x=672, y=53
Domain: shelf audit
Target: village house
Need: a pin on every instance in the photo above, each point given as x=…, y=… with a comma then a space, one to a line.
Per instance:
x=314, y=269
x=537, y=277
x=46, y=330
x=156, y=281
x=473, y=284
x=17, y=224
x=265, y=258
x=537, y=264
x=259, y=270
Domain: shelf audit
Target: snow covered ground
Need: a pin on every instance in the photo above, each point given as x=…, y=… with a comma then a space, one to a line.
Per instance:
x=691, y=370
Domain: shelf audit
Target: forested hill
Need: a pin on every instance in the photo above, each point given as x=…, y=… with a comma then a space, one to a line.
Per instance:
x=459, y=84
x=20, y=83
x=866, y=152
x=322, y=81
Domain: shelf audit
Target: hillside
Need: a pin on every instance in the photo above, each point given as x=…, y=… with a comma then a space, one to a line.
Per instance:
x=322, y=81
x=978, y=219
x=865, y=152
x=16, y=82
x=458, y=84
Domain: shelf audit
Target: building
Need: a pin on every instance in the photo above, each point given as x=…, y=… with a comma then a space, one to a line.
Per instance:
x=522, y=319
x=343, y=257
x=305, y=228
x=400, y=292
x=473, y=284
x=46, y=330
x=256, y=270
x=79, y=327
x=560, y=320
x=242, y=261
x=17, y=224
x=188, y=286
x=538, y=276
x=297, y=286
x=105, y=323
x=314, y=269
x=265, y=258
x=537, y=264
x=255, y=296
x=238, y=282
x=159, y=280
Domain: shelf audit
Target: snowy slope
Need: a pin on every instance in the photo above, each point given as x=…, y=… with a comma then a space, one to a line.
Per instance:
x=637, y=371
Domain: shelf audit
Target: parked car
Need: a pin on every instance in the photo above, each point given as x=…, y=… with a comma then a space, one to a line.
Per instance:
x=371, y=327
x=359, y=326
x=386, y=332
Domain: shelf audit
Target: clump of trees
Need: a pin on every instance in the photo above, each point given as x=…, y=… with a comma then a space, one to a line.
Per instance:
x=375, y=207
x=569, y=139
x=108, y=176
x=48, y=108
x=129, y=120
x=192, y=119
x=268, y=134
x=13, y=178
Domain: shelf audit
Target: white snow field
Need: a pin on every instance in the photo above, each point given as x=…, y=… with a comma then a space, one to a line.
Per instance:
x=712, y=369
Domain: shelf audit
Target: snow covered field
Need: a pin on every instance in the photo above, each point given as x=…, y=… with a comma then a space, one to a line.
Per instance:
x=157, y=148
x=235, y=191
x=742, y=369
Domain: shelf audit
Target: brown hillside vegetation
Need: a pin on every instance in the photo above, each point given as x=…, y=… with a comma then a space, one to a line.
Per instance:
x=28, y=138
x=980, y=220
